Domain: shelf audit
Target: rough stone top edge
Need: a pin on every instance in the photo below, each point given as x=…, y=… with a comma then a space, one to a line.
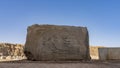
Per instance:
x=110, y=48
x=38, y=25
x=10, y=44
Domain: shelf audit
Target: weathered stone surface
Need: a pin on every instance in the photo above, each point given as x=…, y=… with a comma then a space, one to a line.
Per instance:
x=94, y=52
x=50, y=42
x=10, y=51
x=109, y=53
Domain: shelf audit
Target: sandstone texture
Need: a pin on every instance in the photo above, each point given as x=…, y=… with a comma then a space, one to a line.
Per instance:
x=57, y=43
x=94, y=53
x=11, y=51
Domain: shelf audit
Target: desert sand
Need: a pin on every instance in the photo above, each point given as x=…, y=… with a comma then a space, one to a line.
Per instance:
x=75, y=64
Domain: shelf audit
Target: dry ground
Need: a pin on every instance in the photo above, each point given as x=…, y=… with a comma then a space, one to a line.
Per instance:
x=69, y=64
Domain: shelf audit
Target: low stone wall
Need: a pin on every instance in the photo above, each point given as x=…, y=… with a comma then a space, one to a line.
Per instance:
x=109, y=53
x=11, y=51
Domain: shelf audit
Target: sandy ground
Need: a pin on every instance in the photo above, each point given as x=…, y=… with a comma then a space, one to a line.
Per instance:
x=39, y=64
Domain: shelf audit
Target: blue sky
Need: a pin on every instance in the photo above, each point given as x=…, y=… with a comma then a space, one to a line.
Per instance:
x=101, y=17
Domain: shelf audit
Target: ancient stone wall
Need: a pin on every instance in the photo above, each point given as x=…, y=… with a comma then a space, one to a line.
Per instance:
x=11, y=51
